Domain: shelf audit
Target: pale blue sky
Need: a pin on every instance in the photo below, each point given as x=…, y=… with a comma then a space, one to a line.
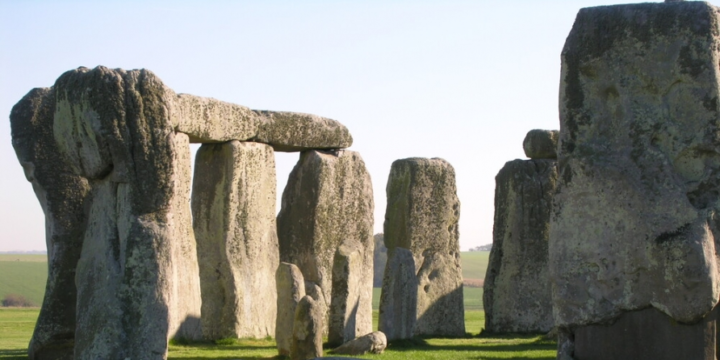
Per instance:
x=461, y=80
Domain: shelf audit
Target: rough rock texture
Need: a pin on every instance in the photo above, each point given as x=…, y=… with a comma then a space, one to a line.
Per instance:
x=137, y=278
x=647, y=334
x=233, y=206
x=328, y=202
x=290, y=290
x=209, y=120
x=634, y=217
x=516, y=293
x=379, y=260
x=398, y=299
x=307, y=330
x=62, y=195
x=374, y=342
x=349, y=293
x=422, y=216
x=541, y=144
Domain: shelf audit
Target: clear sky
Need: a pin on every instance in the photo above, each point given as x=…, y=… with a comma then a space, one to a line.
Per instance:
x=460, y=80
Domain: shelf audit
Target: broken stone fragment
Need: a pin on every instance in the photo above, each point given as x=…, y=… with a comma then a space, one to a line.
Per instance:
x=233, y=204
x=516, y=293
x=290, y=290
x=422, y=215
x=328, y=202
x=374, y=343
x=541, y=144
x=307, y=330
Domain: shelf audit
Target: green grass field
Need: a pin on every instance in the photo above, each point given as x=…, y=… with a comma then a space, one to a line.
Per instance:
x=23, y=275
x=16, y=326
x=474, y=264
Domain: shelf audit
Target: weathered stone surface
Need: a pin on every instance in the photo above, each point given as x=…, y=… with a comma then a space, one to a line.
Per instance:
x=62, y=196
x=137, y=277
x=634, y=218
x=398, y=299
x=207, y=120
x=328, y=202
x=374, y=342
x=350, y=295
x=290, y=290
x=422, y=216
x=379, y=260
x=307, y=330
x=233, y=205
x=647, y=335
x=541, y=144
x=516, y=293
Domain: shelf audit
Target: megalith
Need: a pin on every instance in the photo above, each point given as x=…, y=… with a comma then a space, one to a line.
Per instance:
x=422, y=216
x=307, y=330
x=233, y=207
x=328, y=203
x=63, y=196
x=398, y=299
x=348, y=293
x=107, y=152
x=634, y=219
x=516, y=292
x=290, y=290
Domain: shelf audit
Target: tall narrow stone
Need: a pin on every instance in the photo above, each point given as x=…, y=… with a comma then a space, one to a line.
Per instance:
x=307, y=330
x=398, y=300
x=328, y=202
x=516, y=294
x=62, y=195
x=290, y=290
x=422, y=216
x=233, y=205
x=634, y=221
x=349, y=293
x=137, y=277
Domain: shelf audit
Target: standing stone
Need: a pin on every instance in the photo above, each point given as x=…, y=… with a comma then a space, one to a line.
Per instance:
x=62, y=196
x=327, y=203
x=290, y=290
x=517, y=294
x=422, y=216
x=307, y=330
x=398, y=299
x=137, y=282
x=635, y=220
x=349, y=293
x=233, y=206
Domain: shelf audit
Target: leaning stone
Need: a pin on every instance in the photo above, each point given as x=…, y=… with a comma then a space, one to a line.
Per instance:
x=328, y=202
x=350, y=293
x=307, y=330
x=634, y=221
x=398, y=299
x=374, y=342
x=516, y=293
x=62, y=195
x=290, y=290
x=233, y=204
x=137, y=278
x=541, y=144
x=422, y=216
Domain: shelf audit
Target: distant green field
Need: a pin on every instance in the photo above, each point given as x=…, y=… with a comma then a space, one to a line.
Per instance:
x=23, y=275
x=474, y=264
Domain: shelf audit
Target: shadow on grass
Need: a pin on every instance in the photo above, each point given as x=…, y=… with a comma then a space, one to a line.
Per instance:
x=18, y=354
x=487, y=347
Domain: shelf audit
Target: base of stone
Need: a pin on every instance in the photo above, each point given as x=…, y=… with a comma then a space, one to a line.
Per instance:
x=648, y=334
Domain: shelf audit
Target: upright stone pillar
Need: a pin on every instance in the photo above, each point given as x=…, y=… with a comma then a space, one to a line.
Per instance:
x=233, y=205
x=516, y=294
x=62, y=195
x=422, y=216
x=328, y=203
x=137, y=282
x=635, y=223
x=290, y=290
x=398, y=300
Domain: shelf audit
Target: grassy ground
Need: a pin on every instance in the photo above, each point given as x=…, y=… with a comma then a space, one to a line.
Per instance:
x=474, y=264
x=16, y=326
x=24, y=275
